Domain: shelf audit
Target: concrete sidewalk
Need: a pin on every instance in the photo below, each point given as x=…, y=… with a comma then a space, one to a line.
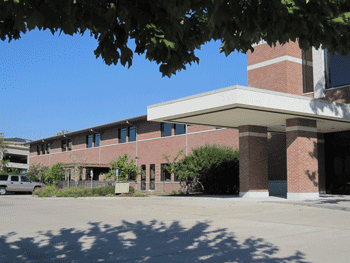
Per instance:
x=173, y=229
x=337, y=202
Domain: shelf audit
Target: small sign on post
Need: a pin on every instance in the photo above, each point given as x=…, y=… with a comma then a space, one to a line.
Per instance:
x=117, y=174
x=91, y=175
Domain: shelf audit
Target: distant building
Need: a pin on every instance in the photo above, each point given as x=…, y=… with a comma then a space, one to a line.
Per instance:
x=17, y=152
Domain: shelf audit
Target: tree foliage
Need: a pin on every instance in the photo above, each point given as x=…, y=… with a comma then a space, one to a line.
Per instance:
x=45, y=174
x=3, y=162
x=168, y=32
x=214, y=168
x=127, y=169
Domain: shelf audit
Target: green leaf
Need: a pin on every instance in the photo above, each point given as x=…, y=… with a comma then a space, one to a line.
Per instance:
x=169, y=44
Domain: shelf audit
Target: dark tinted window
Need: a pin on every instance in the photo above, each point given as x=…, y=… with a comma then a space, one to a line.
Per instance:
x=70, y=144
x=3, y=177
x=97, y=140
x=64, y=145
x=38, y=149
x=180, y=129
x=25, y=179
x=166, y=129
x=143, y=172
x=48, y=147
x=122, y=135
x=164, y=174
x=338, y=70
x=89, y=141
x=14, y=178
x=132, y=134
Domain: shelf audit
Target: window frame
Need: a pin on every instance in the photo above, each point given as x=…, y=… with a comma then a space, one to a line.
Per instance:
x=163, y=124
x=97, y=135
x=64, y=143
x=328, y=71
x=69, y=144
x=177, y=125
x=134, y=128
x=48, y=148
x=120, y=135
x=164, y=173
x=88, y=140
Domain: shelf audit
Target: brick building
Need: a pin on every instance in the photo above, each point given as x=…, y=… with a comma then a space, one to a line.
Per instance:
x=293, y=121
x=291, y=126
x=93, y=148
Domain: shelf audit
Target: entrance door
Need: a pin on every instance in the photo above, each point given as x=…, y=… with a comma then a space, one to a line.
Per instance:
x=341, y=180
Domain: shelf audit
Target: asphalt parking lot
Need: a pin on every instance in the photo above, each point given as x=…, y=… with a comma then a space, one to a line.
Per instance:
x=173, y=229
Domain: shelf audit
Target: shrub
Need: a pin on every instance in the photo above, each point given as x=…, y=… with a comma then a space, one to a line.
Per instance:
x=131, y=190
x=215, y=169
x=126, y=167
x=51, y=190
x=139, y=194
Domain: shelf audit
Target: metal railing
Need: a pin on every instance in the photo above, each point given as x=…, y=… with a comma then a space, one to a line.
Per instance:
x=88, y=184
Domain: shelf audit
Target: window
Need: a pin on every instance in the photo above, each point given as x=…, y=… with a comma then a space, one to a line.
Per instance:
x=97, y=140
x=152, y=172
x=48, y=147
x=122, y=135
x=180, y=129
x=132, y=134
x=337, y=70
x=14, y=178
x=89, y=140
x=25, y=179
x=176, y=178
x=166, y=129
x=93, y=140
x=38, y=149
x=164, y=174
x=307, y=71
x=70, y=144
x=64, y=145
x=143, y=177
x=43, y=149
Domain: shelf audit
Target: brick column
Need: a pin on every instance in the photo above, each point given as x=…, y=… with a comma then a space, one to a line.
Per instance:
x=302, y=159
x=253, y=153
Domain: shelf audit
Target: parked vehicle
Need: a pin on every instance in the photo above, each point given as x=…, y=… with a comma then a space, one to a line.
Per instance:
x=17, y=183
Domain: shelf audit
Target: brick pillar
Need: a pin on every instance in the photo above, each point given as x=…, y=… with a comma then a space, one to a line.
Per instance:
x=302, y=159
x=253, y=153
x=83, y=176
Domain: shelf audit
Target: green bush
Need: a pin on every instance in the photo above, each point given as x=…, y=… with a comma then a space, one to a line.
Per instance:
x=131, y=190
x=139, y=194
x=51, y=190
x=212, y=169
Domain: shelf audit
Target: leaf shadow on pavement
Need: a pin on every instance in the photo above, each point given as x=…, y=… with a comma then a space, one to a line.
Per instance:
x=140, y=242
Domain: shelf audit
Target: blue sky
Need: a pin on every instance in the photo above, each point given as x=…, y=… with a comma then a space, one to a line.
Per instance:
x=50, y=83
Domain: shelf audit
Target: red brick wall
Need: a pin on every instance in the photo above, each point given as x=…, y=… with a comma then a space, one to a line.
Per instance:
x=253, y=156
x=302, y=161
x=285, y=76
x=150, y=147
x=264, y=52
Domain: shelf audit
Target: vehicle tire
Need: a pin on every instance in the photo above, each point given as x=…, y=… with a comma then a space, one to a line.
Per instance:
x=3, y=190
